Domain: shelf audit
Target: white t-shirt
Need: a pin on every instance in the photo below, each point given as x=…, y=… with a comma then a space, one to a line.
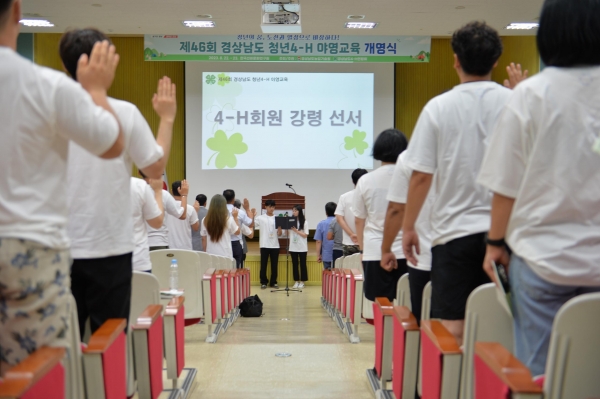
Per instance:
x=398, y=193
x=344, y=208
x=541, y=154
x=449, y=141
x=223, y=246
x=370, y=203
x=160, y=237
x=143, y=207
x=180, y=233
x=98, y=189
x=268, y=232
x=297, y=243
x=37, y=110
x=244, y=219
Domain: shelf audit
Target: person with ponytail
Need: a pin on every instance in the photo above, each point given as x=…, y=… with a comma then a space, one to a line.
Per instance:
x=218, y=226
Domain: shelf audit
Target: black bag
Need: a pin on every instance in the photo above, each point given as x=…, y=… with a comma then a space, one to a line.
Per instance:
x=252, y=306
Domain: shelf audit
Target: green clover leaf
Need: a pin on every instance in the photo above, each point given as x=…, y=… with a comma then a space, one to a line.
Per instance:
x=356, y=142
x=211, y=80
x=223, y=79
x=226, y=149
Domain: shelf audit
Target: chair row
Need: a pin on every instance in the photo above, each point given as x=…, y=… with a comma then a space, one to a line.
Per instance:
x=342, y=294
x=100, y=369
x=430, y=359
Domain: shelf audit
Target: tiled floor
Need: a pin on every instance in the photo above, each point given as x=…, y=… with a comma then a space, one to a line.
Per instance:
x=242, y=364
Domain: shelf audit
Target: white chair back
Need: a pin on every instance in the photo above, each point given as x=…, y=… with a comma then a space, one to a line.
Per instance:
x=572, y=369
x=190, y=278
x=367, y=308
x=485, y=320
x=339, y=263
x=206, y=261
x=426, y=302
x=73, y=363
x=403, y=292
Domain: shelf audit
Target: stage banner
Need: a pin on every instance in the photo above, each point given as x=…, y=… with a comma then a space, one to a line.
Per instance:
x=287, y=48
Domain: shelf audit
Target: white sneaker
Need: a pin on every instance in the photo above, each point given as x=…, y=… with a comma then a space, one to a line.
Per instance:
x=301, y=285
x=296, y=285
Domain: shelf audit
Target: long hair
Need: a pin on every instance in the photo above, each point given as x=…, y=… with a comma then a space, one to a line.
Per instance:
x=216, y=217
x=301, y=217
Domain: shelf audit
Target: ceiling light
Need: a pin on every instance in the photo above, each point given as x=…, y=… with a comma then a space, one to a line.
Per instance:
x=356, y=17
x=360, y=25
x=199, y=24
x=204, y=16
x=523, y=25
x=40, y=23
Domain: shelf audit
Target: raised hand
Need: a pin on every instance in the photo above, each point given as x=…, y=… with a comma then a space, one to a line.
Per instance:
x=196, y=206
x=515, y=75
x=185, y=188
x=246, y=205
x=234, y=212
x=165, y=100
x=156, y=184
x=97, y=72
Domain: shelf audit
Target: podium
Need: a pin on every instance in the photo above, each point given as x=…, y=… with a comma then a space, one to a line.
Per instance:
x=283, y=202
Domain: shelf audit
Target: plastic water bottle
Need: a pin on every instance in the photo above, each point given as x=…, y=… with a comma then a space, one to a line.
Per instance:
x=174, y=277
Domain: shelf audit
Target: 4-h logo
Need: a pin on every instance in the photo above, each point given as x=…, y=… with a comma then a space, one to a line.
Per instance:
x=211, y=79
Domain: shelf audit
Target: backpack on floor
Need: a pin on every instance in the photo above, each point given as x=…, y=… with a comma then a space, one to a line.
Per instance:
x=252, y=306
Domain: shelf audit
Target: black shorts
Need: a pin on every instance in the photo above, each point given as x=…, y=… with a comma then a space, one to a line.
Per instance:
x=456, y=270
x=381, y=283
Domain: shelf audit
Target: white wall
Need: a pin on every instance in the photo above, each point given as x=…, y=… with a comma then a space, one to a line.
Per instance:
x=319, y=186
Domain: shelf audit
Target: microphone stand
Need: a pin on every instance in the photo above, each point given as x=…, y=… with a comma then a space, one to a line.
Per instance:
x=290, y=187
x=287, y=288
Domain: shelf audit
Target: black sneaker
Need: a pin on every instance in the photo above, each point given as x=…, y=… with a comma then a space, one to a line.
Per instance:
x=263, y=287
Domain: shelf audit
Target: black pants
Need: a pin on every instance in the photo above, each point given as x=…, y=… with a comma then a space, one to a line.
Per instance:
x=417, y=279
x=243, y=259
x=301, y=273
x=380, y=283
x=337, y=253
x=265, y=254
x=237, y=252
x=102, y=289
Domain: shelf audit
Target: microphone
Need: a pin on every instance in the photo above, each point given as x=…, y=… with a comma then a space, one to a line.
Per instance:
x=287, y=184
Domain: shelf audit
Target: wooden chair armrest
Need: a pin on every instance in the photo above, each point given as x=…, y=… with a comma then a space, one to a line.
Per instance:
x=347, y=272
x=441, y=337
x=406, y=318
x=507, y=367
x=387, y=309
x=174, y=305
x=208, y=274
x=358, y=275
x=147, y=317
x=34, y=367
x=103, y=338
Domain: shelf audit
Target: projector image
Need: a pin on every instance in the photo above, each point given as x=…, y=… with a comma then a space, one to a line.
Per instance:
x=280, y=16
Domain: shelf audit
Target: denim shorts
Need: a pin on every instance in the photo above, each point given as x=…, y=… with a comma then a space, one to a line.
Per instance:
x=535, y=303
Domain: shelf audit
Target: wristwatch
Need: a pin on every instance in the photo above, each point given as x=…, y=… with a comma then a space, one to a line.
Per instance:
x=495, y=243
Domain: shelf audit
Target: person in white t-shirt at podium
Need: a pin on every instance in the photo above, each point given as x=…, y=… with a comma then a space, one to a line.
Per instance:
x=269, y=244
x=299, y=247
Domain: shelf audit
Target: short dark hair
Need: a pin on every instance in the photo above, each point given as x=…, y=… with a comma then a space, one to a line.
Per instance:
x=330, y=208
x=76, y=42
x=357, y=174
x=569, y=33
x=477, y=46
x=201, y=198
x=237, y=203
x=269, y=203
x=175, y=187
x=229, y=195
x=4, y=7
x=389, y=144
